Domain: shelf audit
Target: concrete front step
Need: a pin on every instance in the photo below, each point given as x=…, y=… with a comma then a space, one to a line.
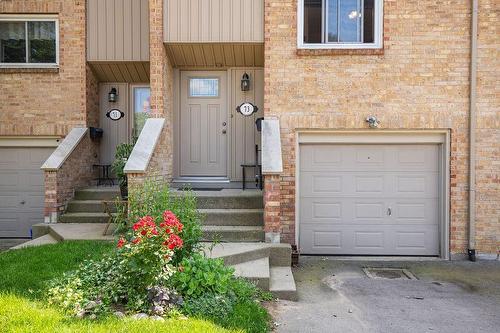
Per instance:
x=80, y=231
x=233, y=233
x=87, y=206
x=43, y=240
x=256, y=271
x=282, y=284
x=234, y=217
x=236, y=253
x=228, y=199
x=98, y=193
x=84, y=218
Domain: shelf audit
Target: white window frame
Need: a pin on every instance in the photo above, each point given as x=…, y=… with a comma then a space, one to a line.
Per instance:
x=378, y=31
x=36, y=18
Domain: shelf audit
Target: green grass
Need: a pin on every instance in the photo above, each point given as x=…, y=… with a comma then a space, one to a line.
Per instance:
x=25, y=272
x=21, y=315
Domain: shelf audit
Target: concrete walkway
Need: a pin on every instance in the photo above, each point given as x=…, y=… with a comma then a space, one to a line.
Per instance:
x=337, y=296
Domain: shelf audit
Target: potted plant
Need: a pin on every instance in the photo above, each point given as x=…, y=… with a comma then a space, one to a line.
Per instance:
x=123, y=152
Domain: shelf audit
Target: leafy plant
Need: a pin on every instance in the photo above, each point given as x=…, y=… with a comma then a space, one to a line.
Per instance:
x=209, y=306
x=199, y=275
x=123, y=151
x=153, y=197
x=135, y=276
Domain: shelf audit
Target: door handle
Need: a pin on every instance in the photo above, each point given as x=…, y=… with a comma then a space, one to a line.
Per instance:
x=389, y=211
x=22, y=202
x=224, y=131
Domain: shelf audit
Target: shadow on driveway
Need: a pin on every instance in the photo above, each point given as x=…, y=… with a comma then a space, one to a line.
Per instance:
x=337, y=296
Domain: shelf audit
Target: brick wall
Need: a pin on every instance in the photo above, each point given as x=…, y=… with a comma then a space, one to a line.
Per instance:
x=76, y=172
x=419, y=81
x=488, y=133
x=161, y=82
x=47, y=102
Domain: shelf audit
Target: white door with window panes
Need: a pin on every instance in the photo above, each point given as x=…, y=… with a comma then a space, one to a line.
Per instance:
x=141, y=108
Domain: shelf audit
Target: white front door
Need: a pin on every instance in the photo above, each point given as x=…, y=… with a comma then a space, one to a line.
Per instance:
x=203, y=124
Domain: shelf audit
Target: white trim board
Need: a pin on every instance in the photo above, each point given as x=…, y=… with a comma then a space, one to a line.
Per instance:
x=30, y=141
x=438, y=137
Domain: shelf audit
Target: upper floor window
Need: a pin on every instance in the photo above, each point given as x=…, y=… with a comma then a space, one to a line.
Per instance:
x=340, y=24
x=28, y=41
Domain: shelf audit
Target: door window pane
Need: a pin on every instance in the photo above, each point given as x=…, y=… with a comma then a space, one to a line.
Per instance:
x=203, y=87
x=142, y=108
x=12, y=42
x=42, y=42
x=312, y=21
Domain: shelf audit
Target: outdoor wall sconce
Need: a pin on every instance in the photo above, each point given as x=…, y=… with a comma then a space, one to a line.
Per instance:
x=373, y=122
x=245, y=82
x=112, y=95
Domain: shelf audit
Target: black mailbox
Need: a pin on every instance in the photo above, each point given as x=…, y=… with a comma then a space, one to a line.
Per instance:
x=96, y=133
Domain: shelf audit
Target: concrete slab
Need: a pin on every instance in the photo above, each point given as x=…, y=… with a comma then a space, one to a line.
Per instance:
x=254, y=270
x=80, y=231
x=282, y=283
x=337, y=296
x=44, y=240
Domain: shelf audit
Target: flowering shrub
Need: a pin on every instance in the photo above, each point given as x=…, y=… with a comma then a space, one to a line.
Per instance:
x=125, y=278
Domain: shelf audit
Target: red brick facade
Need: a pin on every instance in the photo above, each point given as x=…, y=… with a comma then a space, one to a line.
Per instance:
x=419, y=81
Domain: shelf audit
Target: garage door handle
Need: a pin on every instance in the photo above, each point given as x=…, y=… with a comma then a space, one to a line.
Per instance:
x=389, y=211
x=22, y=202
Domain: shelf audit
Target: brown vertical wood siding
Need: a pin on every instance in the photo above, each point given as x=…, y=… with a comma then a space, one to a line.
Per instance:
x=117, y=30
x=214, y=21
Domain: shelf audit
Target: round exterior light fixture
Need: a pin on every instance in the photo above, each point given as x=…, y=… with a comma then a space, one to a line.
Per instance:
x=245, y=82
x=112, y=95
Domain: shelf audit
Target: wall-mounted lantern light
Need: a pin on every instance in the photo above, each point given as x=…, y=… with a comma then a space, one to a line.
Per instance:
x=112, y=95
x=245, y=82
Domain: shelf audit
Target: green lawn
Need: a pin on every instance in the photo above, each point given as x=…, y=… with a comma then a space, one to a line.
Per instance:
x=25, y=272
x=23, y=277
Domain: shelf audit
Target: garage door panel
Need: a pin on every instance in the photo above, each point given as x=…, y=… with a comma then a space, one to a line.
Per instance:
x=369, y=199
x=21, y=189
x=358, y=184
x=368, y=240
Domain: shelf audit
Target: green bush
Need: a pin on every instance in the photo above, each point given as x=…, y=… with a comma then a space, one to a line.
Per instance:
x=209, y=306
x=198, y=275
x=152, y=198
x=122, y=154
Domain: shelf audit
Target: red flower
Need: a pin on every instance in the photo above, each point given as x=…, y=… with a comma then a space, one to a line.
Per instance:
x=144, y=232
x=121, y=242
x=136, y=240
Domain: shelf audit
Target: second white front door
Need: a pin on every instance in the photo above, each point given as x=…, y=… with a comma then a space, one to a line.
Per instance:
x=203, y=124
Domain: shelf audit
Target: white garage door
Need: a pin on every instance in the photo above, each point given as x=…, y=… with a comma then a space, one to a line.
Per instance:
x=21, y=190
x=369, y=199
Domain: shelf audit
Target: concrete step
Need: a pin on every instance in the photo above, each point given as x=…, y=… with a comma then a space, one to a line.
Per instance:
x=89, y=206
x=234, y=217
x=84, y=218
x=98, y=193
x=282, y=283
x=233, y=233
x=80, y=231
x=228, y=199
x=256, y=271
x=43, y=240
x=236, y=253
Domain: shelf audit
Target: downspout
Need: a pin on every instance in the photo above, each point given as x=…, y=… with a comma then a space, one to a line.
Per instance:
x=472, y=134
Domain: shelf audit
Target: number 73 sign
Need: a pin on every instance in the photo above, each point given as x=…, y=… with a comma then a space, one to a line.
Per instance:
x=247, y=109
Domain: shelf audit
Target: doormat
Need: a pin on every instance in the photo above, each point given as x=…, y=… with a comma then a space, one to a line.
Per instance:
x=199, y=189
x=389, y=273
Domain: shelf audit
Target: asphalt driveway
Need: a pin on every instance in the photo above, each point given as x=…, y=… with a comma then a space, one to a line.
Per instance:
x=337, y=296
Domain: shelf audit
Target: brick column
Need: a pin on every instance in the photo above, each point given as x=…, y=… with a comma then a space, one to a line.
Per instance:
x=272, y=207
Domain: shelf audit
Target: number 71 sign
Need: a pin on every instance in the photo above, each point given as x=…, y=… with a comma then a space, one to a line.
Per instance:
x=247, y=109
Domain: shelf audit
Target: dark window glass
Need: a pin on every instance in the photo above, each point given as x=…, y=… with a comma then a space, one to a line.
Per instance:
x=312, y=21
x=42, y=42
x=12, y=42
x=368, y=22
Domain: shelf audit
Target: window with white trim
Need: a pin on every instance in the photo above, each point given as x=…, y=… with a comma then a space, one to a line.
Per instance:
x=340, y=24
x=28, y=41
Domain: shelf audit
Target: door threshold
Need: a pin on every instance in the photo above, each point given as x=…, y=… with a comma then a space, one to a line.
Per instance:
x=201, y=180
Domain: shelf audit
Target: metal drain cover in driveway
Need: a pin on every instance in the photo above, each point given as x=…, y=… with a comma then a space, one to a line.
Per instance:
x=389, y=273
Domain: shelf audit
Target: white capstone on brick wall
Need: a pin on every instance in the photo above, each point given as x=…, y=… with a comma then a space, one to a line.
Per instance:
x=145, y=146
x=272, y=162
x=64, y=150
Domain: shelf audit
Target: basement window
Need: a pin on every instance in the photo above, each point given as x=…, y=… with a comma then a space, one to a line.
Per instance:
x=28, y=41
x=340, y=24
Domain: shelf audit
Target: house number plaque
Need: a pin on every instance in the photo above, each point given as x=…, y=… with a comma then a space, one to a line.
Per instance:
x=115, y=114
x=247, y=109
